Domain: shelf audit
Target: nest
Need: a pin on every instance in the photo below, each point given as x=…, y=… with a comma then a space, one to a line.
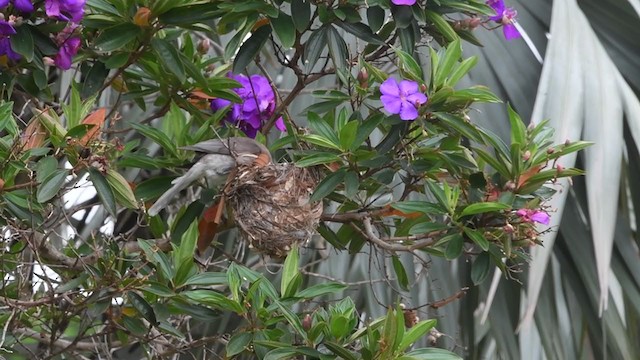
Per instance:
x=271, y=206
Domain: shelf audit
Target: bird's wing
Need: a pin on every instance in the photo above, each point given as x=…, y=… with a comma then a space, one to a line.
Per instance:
x=231, y=146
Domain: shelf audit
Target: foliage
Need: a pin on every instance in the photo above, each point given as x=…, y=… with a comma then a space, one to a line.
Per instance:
x=437, y=186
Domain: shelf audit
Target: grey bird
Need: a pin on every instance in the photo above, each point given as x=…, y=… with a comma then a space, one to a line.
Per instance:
x=218, y=158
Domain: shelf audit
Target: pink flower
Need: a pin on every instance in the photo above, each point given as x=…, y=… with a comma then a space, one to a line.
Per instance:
x=530, y=216
x=403, y=98
x=403, y=2
x=505, y=16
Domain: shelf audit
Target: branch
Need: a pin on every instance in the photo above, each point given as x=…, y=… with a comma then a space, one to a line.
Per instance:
x=61, y=343
x=352, y=216
x=369, y=234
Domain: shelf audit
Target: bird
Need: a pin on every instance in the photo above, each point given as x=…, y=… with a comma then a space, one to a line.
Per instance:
x=217, y=159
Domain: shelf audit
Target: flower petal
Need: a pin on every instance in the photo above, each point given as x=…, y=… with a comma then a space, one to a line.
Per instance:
x=403, y=2
x=510, y=32
x=24, y=6
x=390, y=87
x=391, y=103
x=417, y=98
x=408, y=111
x=280, y=124
x=540, y=217
x=408, y=87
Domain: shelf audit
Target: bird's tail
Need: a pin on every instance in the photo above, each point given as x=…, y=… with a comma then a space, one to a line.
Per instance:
x=179, y=184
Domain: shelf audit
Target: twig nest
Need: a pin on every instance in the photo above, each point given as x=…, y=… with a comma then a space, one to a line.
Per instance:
x=271, y=206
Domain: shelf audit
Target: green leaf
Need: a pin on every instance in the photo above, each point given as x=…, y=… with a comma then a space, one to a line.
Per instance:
x=442, y=25
x=481, y=268
x=284, y=28
x=207, y=279
x=301, y=10
x=320, y=290
x=478, y=238
x=156, y=257
x=51, y=185
x=104, y=191
x=214, y=299
x=454, y=247
x=314, y=46
x=401, y=273
x=94, y=79
x=169, y=58
x=409, y=65
x=143, y=307
x=427, y=227
x=158, y=136
x=416, y=332
x=337, y=48
x=289, y=352
x=424, y=207
x=348, y=135
x=328, y=184
x=250, y=49
x=320, y=126
x=483, y=207
x=338, y=324
x=518, y=130
x=340, y=351
x=72, y=284
x=432, y=354
x=321, y=141
x=362, y=31
x=117, y=37
x=292, y=319
x=289, y=272
x=238, y=343
x=461, y=70
x=121, y=189
x=446, y=64
x=45, y=168
x=317, y=159
x=7, y=121
x=22, y=41
x=375, y=17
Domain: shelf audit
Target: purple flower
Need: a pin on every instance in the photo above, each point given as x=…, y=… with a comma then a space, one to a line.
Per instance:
x=6, y=29
x=24, y=6
x=403, y=98
x=67, y=10
x=5, y=49
x=530, y=216
x=4, y=3
x=505, y=16
x=257, y=106
x=67, y=51
x=403, y=2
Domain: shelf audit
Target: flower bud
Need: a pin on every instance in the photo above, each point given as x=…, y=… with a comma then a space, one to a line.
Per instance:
x=567, y=142
x=550, y=151
x=526, y=156
x=510, y=186
x=307, y=322
x=141, y=18
x=48, y=61
x=559, y=167
x=474, y=22
x=509, y=229
x=363, y=77
x=203, y=46
x=2, y=184
x=531, y=126
x=423, y=88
